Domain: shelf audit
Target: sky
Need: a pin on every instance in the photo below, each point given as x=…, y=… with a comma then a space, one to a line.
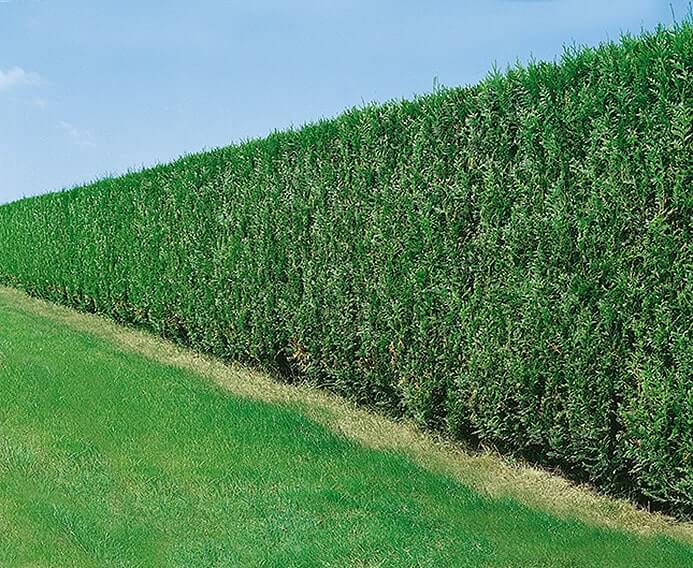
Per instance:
x=94, y=88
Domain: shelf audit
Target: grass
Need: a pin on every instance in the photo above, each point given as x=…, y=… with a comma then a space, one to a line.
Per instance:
x=108, y=458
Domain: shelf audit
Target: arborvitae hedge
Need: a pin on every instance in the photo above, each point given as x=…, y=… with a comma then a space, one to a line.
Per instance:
x=510, y=263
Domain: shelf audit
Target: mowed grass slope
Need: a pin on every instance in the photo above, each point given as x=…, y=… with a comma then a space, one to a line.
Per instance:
x=110, y=459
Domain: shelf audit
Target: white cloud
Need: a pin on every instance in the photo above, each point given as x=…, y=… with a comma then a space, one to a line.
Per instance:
x=78, y=136
x=17, y=76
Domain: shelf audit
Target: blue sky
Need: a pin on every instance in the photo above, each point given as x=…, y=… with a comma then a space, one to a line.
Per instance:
x=94, y=88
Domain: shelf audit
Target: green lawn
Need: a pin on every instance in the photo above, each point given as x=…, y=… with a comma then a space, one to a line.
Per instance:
x=110, y=459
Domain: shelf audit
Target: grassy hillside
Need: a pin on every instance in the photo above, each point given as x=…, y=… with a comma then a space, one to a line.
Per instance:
x=508, y=263
x=109, y=459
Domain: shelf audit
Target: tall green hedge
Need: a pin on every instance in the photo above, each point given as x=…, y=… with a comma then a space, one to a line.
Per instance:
x=510, y=263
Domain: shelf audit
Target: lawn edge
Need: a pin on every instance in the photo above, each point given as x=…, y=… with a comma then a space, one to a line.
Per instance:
x=486, y=472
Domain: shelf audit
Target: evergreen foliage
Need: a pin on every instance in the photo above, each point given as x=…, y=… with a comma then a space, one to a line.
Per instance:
x=510, y=263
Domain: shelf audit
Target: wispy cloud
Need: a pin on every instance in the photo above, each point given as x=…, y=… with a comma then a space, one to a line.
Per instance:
x=77, y=135
x=38, y=103
x=17, y=76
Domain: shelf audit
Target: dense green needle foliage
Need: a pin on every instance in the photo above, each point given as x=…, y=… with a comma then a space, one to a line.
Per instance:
x=110, y=459
x=510, y=263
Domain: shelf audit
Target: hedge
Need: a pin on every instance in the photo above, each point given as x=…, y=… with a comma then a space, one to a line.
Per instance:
x=509, y=263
